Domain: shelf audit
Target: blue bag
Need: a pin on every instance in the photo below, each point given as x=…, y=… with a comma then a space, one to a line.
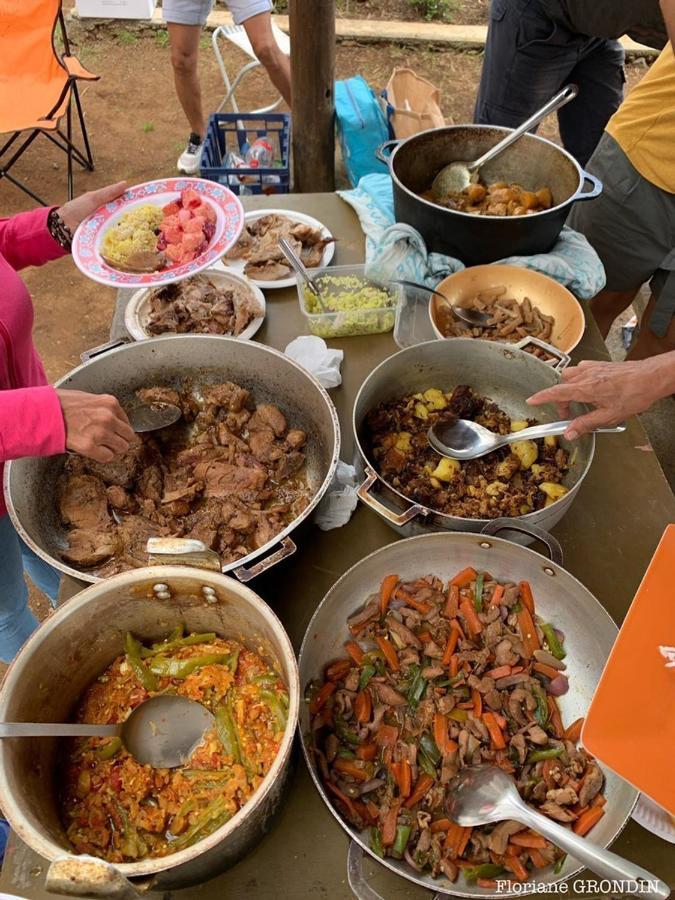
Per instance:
x=361, y=127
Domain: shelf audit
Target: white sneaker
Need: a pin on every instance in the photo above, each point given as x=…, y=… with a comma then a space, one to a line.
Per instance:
x=189, y=160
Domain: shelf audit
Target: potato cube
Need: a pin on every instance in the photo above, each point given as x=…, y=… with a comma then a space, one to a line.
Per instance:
x=519, y=424
x=435, y=399
x=446, y=469
x=420, y=411
x=553, y=491
x=435, y=483
x=403, y=441
x=551, y=441
x=495, y=488
x=526, y=451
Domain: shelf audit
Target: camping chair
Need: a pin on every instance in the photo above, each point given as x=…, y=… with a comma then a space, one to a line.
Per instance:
x=236, y=34
x=38, y=86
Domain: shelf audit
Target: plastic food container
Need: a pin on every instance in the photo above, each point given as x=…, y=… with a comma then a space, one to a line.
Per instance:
x=358, y=305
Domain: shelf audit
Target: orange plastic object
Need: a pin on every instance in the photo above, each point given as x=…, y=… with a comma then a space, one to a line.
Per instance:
x=630, y=726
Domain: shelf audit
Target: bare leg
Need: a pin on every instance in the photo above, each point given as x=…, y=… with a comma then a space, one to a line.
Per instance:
x=647, y=343
x=184, y=41
x=278, y=65
x=607, y=305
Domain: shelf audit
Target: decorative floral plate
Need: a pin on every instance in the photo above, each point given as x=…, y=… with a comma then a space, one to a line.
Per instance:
x=89, y=235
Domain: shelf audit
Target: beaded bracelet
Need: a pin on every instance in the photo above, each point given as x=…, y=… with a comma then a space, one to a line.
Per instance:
x=59, y=230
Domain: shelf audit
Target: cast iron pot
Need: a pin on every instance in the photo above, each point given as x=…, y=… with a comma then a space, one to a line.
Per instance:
x=503, y=372
x=589, y=631
x=533, y=162
x=30, y=483
x=61, y=659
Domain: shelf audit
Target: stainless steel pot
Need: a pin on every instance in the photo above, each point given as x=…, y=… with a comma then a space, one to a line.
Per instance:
x=504, y=373
x=532, y=161
x=590, y=634
x=58, y=663
x=270, y=376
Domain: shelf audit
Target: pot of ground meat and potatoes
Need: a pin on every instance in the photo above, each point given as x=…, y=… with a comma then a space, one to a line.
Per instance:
x=518, y=206
x=99, y=817
x=413, y=488
x=252, y=454
x=451, y=650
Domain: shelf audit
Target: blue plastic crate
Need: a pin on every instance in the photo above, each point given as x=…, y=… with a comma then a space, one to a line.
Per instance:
x=229, y=132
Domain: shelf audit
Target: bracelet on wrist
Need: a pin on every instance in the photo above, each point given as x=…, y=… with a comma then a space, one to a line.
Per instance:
x=59, y=230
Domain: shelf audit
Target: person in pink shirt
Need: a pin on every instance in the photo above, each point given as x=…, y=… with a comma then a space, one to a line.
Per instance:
x=35, y=418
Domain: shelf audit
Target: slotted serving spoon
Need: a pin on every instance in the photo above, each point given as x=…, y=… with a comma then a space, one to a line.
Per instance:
x=163, y=731
x=471, y=316
x=480, y=795
x=458, y=175
x=464, y=439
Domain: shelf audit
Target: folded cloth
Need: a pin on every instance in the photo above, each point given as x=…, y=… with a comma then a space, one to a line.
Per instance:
x=340, y=501
x=313, y=354
x=395, y=250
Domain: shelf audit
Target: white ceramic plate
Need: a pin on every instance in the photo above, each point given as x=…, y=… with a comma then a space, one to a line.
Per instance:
x=238, y=265
x=654, y=818
x=137, y=310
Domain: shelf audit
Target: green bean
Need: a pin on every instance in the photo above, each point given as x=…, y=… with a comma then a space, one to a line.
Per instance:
x=401, y=840
x=554, y=644
x=557, y=868
x=227, y=733
x=110, y=749
x=486, y=870
x=376, y=842
x=551, y=753
x=478, y=595
x=343, y=753
x=273, y=701
x=367, y=673
x=215, y=815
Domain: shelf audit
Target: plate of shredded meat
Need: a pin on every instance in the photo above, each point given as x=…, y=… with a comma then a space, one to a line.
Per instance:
x=258, y=256
x=213, y=302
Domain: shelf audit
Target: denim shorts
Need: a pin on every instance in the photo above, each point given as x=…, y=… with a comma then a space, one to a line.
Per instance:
x=195, y=12
x=631, y=226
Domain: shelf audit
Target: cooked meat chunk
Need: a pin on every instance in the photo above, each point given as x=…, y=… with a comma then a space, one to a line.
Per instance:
x=159, y=395
x=133, y=533
x=268, y=416
x=537, y=735
x=224, y=480
x=151, y=483
x=197, y=306
x=499, y=837
x=296, y=438
x=87, y=548
x=119, y=499
x=83, y=503
x=592, y=784
x=566, y=796
x=553, y=811
x=288, y=465
x=120, y=471
x=263, y=444
x=228, y=396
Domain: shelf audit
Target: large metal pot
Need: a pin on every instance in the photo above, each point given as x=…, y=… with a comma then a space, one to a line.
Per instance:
x=532, y=161
x=200, y=359
x=590, y=634
x=62, y=658
x=504, y=373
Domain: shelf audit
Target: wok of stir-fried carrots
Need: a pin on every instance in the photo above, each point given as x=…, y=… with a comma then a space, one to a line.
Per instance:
x=435, y=677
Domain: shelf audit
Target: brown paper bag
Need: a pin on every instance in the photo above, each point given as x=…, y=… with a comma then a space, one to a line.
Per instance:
x=415, y=102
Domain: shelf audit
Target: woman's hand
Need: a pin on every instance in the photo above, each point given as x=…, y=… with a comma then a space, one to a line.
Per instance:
x=617, y=390
x=75, y=211
x=96, y=425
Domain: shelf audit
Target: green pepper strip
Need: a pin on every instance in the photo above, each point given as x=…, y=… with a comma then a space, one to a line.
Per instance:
x=428, y=744
x=486, y=870
x=227, y=733
x=376, y=842
x=557, y=868
x=181, y=668
x=552, y=753
x=176, y=643
x=426, y=764
x=401, y=840
x=212, y=818
x=268, y=679
x=459, y=715
x=450, y=682
x=109, y=750
x=249, y=767
x=343, y=732
x=554, y=645
x=143, y=674
x=367, y=673
x=478, y=595
x=417, y=688
x=343, y=753
x=274, y=702
x=541, y=712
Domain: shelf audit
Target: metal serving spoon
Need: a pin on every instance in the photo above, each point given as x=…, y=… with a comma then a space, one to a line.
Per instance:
x=162, y=732
x=299, y=268
x=483, y=794
x=152, y=416
x=458, y=175
x=465, y=439
x=471, y=316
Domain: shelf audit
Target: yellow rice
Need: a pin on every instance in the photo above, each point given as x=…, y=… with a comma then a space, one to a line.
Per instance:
x=135, y=232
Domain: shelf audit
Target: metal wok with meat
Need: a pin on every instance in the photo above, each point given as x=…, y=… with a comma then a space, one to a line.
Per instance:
x=230, y=473
x=437, y=676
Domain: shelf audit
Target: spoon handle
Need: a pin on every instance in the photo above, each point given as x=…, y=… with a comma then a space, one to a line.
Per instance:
x=296, y=263
x=602, y=862
x=561, y=98
x=549, y=429
x=45, y=729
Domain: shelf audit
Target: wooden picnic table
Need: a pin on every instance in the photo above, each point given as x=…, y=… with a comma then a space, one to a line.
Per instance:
x=608, y=538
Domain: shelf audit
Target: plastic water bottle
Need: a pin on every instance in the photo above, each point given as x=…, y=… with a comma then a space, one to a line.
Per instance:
x=260, y=155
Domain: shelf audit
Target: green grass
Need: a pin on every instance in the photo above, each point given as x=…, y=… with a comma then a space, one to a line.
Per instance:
x=148, y=127
x=162, y=39
x=435, y=10
x=127, y=37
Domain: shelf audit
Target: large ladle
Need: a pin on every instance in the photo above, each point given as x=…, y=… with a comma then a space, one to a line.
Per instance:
x=458, y=175
x=480, y=795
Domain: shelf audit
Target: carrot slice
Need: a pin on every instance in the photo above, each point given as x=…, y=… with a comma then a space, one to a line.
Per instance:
x=497, y=595
x=389, y=825
x=451, y=646
x=528, y=631
x=529, y=839
x=573, y=731
x=474, y=624
x=386, y=735
x=336, y=670
x=321, y=697
x=424, y=782
x=499, y=672
x=454, y=665
x=526, y=596
x=366, y=751
x=457, y=839
x=486, y=883
x=389, y=653
x=543, y=669
x=452, y=602
x=501, y=721
x=477, y=701
x=363, y=706
x=342, y=797
x=440, y=825
x=495, y=731
x=554, y=715
x=425, y=636
x=599, y=800
x=405, y=778
x=355, y=652
x=419, y=605
x=587, y=820
x=441, y=732
x=349, y=767
x=389, y=582
x=515, y=865
x=538, y=860
x=466, y=576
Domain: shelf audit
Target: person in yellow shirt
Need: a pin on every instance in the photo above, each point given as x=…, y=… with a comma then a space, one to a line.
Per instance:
x=632, y=224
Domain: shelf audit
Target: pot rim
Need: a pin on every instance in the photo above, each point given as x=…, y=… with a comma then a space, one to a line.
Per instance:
x=20, y=669
x=470, y=216
x=353, y=834
x=451, y=519
x=83, y=575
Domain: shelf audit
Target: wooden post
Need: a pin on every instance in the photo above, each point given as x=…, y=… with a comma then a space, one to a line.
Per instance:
x=312, y=26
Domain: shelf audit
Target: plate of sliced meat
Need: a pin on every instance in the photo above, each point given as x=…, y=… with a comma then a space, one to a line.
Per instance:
x=257, y=253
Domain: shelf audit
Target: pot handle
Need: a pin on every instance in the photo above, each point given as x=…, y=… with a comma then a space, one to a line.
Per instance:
x=561, y=359
x=103, y=348
x=396, y=519
x=555, y=553
x=384, y=151
x=595, y=191
x=87, y=876
x=246, y=573
x=357, y=880
x=181, y=552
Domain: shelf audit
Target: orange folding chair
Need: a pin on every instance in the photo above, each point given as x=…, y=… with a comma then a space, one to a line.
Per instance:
x=38, y=86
